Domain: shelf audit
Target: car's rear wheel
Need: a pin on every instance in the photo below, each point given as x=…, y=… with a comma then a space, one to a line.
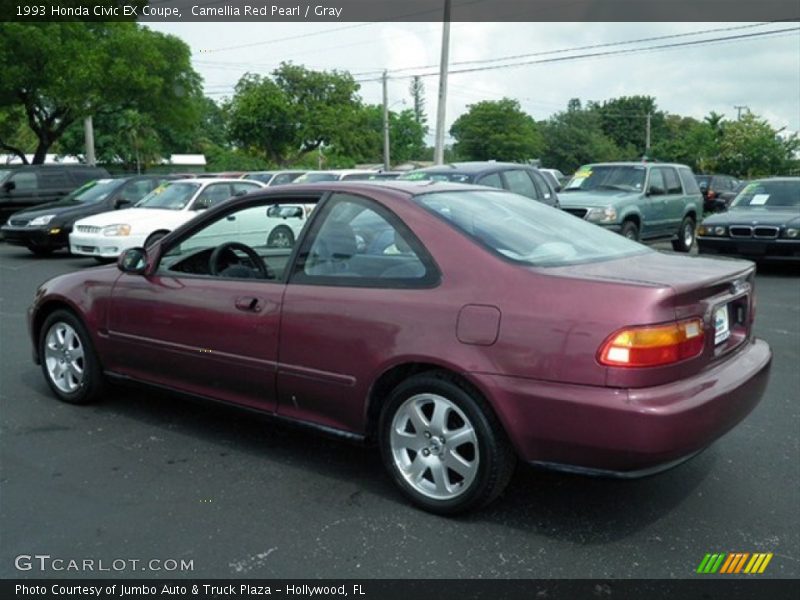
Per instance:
x=630, y=230
x=153, y=238
x=686, y=235
x=443, y=446
x=69, y=362
x=280, y=237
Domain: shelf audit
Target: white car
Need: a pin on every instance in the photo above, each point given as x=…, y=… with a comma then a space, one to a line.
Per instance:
x=106, y=235
x=335, y=175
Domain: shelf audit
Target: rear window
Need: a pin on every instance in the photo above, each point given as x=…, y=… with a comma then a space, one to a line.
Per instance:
x=689, y=182
x=438, y=176
x=526, y=232
x=769, y=193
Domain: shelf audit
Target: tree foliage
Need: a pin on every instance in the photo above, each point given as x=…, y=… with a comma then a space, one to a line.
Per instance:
x=58, y=73
x=496, y=130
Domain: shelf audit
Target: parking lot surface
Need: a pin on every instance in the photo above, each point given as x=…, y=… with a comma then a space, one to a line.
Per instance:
x=146, y=475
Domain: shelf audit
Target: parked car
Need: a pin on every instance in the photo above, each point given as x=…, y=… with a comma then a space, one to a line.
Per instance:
x=335, y=175
x=641, y=201
x=763, y=223
x=554, y=175
x=287, y=221
x=492, y=328
x=26, y=186
x=46, y=228
x=520, y=179
x=105, y=235
x=273, y=177
x=716, y=189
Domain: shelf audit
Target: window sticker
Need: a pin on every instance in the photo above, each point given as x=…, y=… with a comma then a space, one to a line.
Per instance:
x=759, y=200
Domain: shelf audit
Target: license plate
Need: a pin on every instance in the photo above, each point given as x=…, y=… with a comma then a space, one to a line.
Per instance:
x=722, y=329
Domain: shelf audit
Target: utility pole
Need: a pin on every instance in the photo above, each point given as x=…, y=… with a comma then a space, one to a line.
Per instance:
x=438, y=151
x=647, y=137
x=88, y=134
x=739, y=110
x=386, y=157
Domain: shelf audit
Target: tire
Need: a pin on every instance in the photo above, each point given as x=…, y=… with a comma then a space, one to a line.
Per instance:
x=69, y=362
x=686, y=235
x=420, y=413
x=630, y=230
x=154, y=237
x=280, y=237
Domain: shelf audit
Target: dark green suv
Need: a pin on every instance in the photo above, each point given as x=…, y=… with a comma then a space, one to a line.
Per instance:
x=642, y=201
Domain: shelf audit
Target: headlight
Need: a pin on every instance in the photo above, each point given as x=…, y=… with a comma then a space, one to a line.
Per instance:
x=117, y=230
x=43, y=220
x=602, y=215
x=791, y=232
x=720, y=231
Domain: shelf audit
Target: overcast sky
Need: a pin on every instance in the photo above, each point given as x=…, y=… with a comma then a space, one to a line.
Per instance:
x=760, y=73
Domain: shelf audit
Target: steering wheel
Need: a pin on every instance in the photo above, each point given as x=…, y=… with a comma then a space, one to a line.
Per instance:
x=229, y=247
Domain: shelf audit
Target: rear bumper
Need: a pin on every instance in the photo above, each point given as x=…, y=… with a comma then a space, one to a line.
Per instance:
x=35, y=238
x=585, y=428
x=778, y=249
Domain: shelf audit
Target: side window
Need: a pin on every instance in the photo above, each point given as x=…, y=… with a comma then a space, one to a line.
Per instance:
x=541, y=185
x=24, y=181
x=358, y=243
x=53, y=179
x=240, y=189
x=212, y=195
x=492, y=180
x=520, y=182
x=657, y=185
x=673, y=184
x=689, y=182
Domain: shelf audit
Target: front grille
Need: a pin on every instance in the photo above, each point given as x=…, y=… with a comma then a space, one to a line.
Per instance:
x=741, y=231
x=19, y=222
x=578, y=212
x=766, y=233
x=88, y=228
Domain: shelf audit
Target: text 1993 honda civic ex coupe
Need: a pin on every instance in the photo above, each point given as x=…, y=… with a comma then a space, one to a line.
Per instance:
x=459, y=327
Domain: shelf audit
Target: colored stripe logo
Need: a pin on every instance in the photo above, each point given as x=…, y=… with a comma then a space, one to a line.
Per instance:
x=734, y=562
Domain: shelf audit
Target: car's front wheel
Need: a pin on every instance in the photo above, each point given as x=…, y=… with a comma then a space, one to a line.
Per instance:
x=280, y=237
x=69, y=363
x=630, y=231
x=686, y=235
x=443, y=446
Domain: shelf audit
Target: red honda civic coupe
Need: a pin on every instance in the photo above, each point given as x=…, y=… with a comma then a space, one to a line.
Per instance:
x=459, y=327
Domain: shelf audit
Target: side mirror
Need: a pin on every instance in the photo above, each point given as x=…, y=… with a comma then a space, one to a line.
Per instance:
x=133, y=261
x=274, y=211
x=120, y=202
x=9, y=185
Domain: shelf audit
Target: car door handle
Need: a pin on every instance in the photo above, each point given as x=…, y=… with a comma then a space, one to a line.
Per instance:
x=249, y=304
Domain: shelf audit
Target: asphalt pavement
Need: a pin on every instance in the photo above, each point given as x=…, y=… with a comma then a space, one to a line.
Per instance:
x=145, y=475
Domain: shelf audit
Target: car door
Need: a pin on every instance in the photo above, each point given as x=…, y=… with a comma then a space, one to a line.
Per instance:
x=21, y=191
x=546, y=191
x=355, y=291
x=204, y=334
x=653, y=206
x=520, y=182
x=674, y=199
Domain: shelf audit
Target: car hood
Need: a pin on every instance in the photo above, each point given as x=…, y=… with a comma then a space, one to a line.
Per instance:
x=63, y=210
x=139, y=216
x=762, y=215
x=598, y=198
x=660, y=269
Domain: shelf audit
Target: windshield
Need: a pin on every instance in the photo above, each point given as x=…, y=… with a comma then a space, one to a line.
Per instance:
x=170, y=196
x=627, y=178
x=94, y=191
x=455, y=177
x=769, y=193
x=314, y=177
x=527, y=232
x=263, y=177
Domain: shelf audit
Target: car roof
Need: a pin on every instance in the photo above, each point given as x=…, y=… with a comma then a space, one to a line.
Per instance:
x=204, y=181
x=409, y=187
x=779, y=178
x=635, y=163
x=472, y=167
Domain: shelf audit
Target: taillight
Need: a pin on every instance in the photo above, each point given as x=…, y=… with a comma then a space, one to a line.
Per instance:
x=653, y=346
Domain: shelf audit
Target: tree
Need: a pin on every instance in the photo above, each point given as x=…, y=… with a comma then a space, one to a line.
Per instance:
x=624, y=120
x=750, y=147
x=417, y=91
x=575, y=137
x=688, y=141
x=497, y=130
x=58, y=73
x=294, y=112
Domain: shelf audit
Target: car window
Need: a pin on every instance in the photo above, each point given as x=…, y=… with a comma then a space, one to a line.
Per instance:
x=25, y=181
x=135, y=190
x=94, y=191
x=492, y=180
x=657, y=185
x=626, y=178
x=541, y=184
x=672, y=181
x=170, y=196
x=453, y=176
x=355, y=242
x=239, y=189
x=53, y=179
x=690, y=184
x=212, y=195
x=526, y=232
x=769, y=193
x=284, y=178
x=521, y=183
